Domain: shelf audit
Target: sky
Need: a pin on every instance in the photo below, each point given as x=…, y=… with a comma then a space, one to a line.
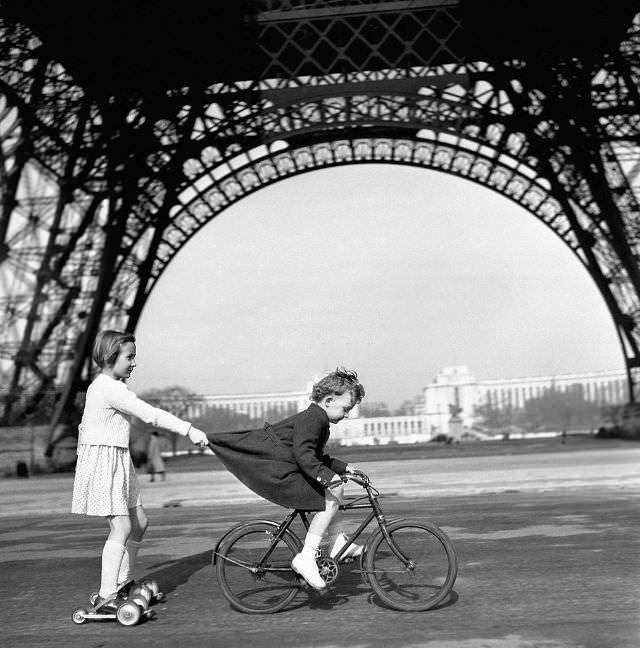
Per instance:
x=393, y=271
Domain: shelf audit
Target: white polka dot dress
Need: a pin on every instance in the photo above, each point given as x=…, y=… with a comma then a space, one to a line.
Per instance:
x=105, y=482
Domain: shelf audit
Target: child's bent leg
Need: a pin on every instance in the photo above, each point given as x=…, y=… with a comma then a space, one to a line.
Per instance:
x=322, y=520
x=336, y=536
x=112, y=554
x=335, y=527
x=305, y=562
x=139, y=524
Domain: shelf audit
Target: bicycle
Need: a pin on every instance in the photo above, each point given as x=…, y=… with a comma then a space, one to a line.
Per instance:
x=411, y=565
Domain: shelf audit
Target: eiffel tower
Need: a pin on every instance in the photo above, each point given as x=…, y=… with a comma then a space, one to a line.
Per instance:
x=125, y=127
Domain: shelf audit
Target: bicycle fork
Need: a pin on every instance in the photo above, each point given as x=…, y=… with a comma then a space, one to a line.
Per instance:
x=382, y=523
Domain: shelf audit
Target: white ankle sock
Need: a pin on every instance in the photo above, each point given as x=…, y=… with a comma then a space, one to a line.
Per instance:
x=111, y=559
x=128, y=561
x=311, y=544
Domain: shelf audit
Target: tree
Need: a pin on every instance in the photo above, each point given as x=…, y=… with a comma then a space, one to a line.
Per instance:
x=408, y=407
x=176, y=399
x=497, y=418
x=373, y=409
x=173, y=399
x=222, y=419
x=558, y=409
x=555, y=409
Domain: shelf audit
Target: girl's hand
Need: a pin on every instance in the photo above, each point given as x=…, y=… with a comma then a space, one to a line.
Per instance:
x=198, y=437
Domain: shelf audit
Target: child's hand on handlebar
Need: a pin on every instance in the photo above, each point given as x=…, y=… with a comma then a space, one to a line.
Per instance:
x=357, y=473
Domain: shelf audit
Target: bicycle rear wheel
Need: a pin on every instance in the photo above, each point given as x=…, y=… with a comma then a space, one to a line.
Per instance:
x=254, y=571
x=428, y=578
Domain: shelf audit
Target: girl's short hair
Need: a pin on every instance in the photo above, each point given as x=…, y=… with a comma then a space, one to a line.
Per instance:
x=338, y=382
x=107, y=346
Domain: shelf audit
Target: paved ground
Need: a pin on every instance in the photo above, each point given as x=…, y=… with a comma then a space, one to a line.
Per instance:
x=567, y=466
x=548, y=548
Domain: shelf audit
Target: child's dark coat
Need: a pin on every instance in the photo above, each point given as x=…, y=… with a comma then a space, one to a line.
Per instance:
x=285, y=462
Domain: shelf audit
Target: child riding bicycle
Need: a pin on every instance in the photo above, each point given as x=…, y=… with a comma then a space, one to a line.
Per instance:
x=286, y=464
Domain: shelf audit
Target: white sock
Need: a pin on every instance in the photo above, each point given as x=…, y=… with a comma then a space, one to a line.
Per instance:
x=123, y=574
x=111, y=559
x=311, y=544
x=128, y=561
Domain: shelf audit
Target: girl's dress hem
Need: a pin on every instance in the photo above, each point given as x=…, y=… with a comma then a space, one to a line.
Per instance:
x=105, y=482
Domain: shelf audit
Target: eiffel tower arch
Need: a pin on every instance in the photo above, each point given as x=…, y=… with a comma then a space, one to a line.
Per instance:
x=115, y=154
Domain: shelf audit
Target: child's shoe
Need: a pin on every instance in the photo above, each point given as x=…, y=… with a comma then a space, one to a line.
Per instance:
x=108, y=604
x=125, y=587
x=354, y=550
x=307, y=567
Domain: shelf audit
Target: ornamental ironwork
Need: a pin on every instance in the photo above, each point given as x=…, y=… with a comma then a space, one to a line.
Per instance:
x=102, y=184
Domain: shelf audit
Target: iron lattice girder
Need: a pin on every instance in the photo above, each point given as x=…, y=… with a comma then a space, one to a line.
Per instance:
x=163, y=46
x=236, y=186
x=321, y=39
x=133, y=178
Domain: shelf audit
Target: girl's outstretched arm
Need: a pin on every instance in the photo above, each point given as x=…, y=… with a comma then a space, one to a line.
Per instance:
x=121, y=398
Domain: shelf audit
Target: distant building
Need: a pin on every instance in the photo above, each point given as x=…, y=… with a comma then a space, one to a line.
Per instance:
x=381, y=430
x=456, y=386
x=257, y=406
x=448, y=405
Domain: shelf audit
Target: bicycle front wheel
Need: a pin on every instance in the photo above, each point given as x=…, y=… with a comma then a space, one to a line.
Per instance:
x=426, y=577
x=254, y=570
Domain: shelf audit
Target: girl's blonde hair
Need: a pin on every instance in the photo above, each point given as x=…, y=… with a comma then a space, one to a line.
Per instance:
x=107, y=346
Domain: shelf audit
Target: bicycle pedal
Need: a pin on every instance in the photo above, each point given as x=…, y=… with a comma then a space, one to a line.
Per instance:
x=303, y=585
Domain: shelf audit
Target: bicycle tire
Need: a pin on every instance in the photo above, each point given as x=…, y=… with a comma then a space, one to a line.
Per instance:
x=429, y=579
x=270, y=587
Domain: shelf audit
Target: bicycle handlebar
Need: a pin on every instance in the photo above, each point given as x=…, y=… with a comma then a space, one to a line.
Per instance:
x=357, y=476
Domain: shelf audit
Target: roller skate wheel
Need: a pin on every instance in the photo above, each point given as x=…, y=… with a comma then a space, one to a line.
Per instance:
x=141, y=590
x=79, y=615
x=150, y=584
x=141, y=601
x=128, y=614
x=93, y=599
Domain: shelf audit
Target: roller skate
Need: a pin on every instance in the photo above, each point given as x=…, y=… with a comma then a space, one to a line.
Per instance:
x=144, y=593
x=146, y=588
x=115, y=607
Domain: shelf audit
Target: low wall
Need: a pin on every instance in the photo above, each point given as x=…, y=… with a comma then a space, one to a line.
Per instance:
x=25, y=445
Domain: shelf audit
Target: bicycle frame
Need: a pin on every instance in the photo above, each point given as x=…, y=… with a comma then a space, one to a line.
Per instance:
x=375, y=514
x=284, y=527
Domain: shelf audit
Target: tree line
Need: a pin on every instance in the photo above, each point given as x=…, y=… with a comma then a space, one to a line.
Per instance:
x=553, y=409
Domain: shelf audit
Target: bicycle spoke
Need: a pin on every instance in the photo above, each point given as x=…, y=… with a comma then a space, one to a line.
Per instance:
x=251, y=583
x=426, y=580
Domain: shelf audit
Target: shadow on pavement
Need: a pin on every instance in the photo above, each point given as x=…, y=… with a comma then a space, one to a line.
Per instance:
x=173, y=573
x=348, y=586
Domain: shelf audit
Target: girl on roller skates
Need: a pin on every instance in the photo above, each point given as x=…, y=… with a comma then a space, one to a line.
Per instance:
x=105, y=481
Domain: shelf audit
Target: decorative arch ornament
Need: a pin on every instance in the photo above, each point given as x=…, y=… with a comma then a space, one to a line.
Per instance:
x=98, y=196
